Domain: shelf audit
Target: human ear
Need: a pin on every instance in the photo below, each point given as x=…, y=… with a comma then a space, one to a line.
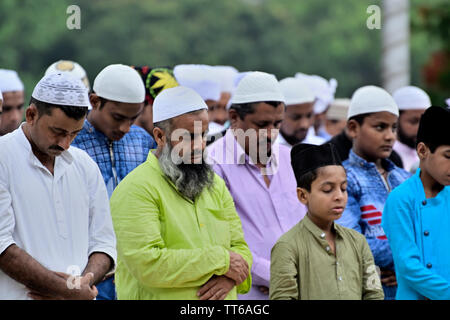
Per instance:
x=31, y=114
x=352, y=128
x=234, y=118
x=160, y=136
x=422, y=150
x=95, y=101
x=303, y=195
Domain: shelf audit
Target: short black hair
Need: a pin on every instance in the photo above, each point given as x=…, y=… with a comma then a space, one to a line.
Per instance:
x=73, y=112
x=360, y=117
x=244, y=109
x=305, y=181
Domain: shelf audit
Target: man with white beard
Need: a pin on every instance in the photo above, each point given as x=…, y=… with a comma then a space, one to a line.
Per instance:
x=178, y=233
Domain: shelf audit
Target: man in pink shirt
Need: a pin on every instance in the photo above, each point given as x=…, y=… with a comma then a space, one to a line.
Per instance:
x=257, y=172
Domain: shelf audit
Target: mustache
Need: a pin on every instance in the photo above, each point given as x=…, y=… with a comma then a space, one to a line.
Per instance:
x=56, y=147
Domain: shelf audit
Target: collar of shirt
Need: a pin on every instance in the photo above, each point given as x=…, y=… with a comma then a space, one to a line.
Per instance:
x=235, y=151
x=319, y=234
x=356, y=160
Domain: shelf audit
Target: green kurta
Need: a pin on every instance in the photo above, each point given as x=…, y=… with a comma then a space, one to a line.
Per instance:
x=304, y=268
x=169, y=246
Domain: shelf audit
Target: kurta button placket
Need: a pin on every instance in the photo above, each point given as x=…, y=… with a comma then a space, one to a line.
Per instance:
x=426, y=233
x=424, y=202
x=429, y=265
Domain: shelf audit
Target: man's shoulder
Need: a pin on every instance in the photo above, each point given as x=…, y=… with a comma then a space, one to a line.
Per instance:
x=350, y=233
x=405, y=191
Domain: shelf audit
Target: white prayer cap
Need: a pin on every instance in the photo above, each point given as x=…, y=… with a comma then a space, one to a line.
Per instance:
x=188, y=73
x=370, y=99
x=1, y=96
x=322, y=89
x=121, y=83
x=225, y=75
x=448, y=102
x=176, y=101
x=71, y=67
x=296, y=91
x=338, y=109
x=200, y=78
x=258, y=86
x=207, y=89
x=411, y=97
x=10, y=81
x=61, y=89
x=238, y=77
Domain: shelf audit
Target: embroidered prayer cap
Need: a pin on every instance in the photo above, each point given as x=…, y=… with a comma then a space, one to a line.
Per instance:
x=434, y=127
x=121, y=83
x=322, y=89
x=369, y=99
x=156, y=80
x=258, y=86
x=70, y=67
x=307, y=157
x=10, y=81
x=62, y=89
x=296, y=91
x=176, y=101
x=411, y=98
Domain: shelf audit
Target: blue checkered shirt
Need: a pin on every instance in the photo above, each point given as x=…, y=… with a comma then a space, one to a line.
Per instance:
x=367, y=194
x=115, y=158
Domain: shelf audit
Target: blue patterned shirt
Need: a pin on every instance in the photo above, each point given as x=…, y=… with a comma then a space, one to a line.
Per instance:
x=115, y=158
x=367, y=194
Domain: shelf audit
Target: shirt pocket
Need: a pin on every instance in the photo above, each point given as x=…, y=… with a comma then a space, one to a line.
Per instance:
x=218, y=227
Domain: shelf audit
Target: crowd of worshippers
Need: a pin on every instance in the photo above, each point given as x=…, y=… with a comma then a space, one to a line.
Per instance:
x=203, y=182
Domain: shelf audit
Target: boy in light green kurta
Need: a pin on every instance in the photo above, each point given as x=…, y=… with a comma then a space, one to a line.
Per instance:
x=318, y=259
x=178, y=240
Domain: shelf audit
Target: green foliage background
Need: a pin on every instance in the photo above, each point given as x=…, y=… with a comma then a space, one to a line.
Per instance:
x=324, y=37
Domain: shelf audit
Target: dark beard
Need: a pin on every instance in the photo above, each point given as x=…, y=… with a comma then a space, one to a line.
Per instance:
x=410, y=142
x=292, y=140
x=189, y=179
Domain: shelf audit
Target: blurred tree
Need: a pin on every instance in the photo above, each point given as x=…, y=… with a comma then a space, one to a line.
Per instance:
x=329, y=38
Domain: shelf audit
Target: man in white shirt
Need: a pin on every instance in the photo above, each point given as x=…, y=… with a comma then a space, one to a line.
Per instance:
x=56, y=234
x=297, y=125
x=412, y=103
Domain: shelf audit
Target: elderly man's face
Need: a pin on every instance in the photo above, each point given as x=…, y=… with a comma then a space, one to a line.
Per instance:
x=12, y=112
x=188, y=135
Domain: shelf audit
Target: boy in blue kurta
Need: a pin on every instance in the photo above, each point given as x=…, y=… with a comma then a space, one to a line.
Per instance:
x=416, y=216
x=372, y=124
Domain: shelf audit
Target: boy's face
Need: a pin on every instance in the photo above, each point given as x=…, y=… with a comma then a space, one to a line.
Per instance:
x=437, y=164
x=375, y=138
x=328, y=196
